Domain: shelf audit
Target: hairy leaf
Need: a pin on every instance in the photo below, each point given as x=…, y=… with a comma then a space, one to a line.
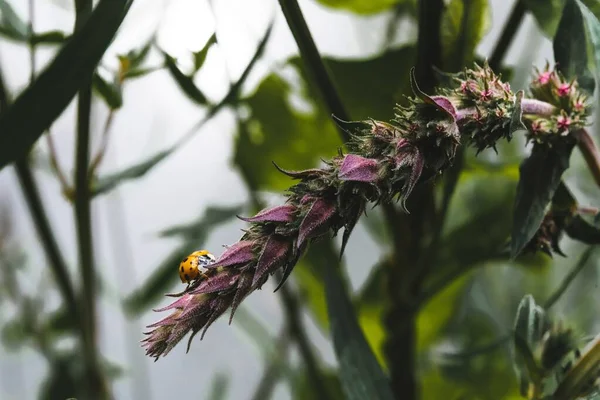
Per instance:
x=570, y=44
x=540, y=176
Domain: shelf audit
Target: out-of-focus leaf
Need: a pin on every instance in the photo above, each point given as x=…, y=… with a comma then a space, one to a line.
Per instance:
x=278, y=131
x=366, y=6
x=213, y=216
x=56, y=86
x=360, y=373
x=185, y=82
x=530, y=324
x=138, y=73
x=370, y=87
x=570, y=44
x=50, y=37
x=593, y=34
x=547, y=14
x=135, y=58
x=200, y=56
x=303, y=390
x=464, y=23
x=109, y=91
x=59, y=323
x=540, y=176
x=165, y=274
x=11, y=25
x=104, y=184
x=583, y=372
x=14, y=334
x=219, y=387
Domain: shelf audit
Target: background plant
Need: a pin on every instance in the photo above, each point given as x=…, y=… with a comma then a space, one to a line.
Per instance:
x=434, y=318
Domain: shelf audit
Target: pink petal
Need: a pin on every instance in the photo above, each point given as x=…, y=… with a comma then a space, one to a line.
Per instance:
x=239, y=253
x=273, y=256
x=275, y=214
x=316, y=220
x=358, y=169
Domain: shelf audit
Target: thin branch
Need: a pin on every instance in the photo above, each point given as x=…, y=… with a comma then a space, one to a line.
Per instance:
x=313, y=62
x=103, y=145
x=590, y=152
x=511, y=27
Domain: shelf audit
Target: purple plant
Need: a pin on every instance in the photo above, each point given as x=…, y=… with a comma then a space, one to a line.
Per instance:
x=385, y=162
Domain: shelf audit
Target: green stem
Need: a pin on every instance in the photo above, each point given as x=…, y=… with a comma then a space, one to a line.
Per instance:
x=313, y=61
x=96, y=386
x=511, y=27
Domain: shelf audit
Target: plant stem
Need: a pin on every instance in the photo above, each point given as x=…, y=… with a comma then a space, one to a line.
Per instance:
x=313, y=61
x=511, y=27
x=96, y=386
x=590, y=152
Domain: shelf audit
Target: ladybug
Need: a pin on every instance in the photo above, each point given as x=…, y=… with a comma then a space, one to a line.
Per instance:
x=190, y=267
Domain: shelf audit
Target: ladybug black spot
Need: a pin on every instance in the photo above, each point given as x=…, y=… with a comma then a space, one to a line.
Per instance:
x=181, y=269
x=185, y=259
x=187, y=278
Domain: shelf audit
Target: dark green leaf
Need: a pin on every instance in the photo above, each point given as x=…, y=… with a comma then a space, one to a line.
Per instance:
x=109, y=91
x=366, y=6
x=563, y=199
x=547, y=14
x=165, y=274
x=540, y=176
x=11, y=25
x=56, y=86
x=583, y=372
x=104, y=184
x=219, y=387
x=360, y=373
x=464, y=24
x=51, y=37
x=571, y=46
x=593, y=30
x=185, y=83
x=200, y=56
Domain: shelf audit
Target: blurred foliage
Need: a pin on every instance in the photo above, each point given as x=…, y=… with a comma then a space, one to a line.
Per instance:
x=472, y=289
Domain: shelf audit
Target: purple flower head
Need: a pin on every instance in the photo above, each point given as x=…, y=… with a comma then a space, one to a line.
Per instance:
x=275, y=252
x=358, y=169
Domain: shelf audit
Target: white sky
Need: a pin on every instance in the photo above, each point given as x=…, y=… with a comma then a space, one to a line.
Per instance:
x=155, y=114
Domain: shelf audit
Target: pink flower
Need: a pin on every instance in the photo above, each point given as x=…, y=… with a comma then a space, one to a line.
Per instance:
x=358, y=169
x=545, y=77
x=564, y=89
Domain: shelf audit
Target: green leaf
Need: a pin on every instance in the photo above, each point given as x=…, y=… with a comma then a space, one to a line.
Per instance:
x=464, y=24
x=570, y=45
x=547, y=14
x=165, y=274
x=107, y=183
x=294, y=139
x=137, y=57
x=185, y=82
x=530, y=325
x=110, y=92
x=303, y=390
x=14, y=334
x=360, y=374
x=219, y=387
x=11, y=25
x=50, y=37
x=200, y=56
x=139, y=72
x=593, y=30
x=56, y=86
x=367, y=6
x=540, y=176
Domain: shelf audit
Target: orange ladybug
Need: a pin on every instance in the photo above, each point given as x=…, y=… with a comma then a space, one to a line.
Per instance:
x=190, y=268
